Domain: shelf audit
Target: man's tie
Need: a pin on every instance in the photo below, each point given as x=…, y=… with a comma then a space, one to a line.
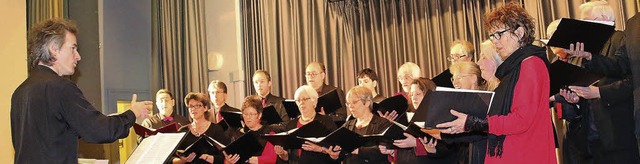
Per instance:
x=264, y=102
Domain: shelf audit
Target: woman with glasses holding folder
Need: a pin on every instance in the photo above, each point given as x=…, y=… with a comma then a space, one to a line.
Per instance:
x=467, y=75
x=199, y=112
x=307, y=98
x=360, y=104
x=519, y=115
x=251, y=114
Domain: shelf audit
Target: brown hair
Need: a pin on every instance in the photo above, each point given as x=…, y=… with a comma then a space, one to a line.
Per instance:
x=252, y=101
x=44, y=33
x=263, y=72
x=161, y=91
x=512, y=16
x=368, y=72
x=219, y=84
x=200, y=97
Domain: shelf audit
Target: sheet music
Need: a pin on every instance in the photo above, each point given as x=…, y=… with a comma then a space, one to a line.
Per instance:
x=410, y=115
x=156, y=148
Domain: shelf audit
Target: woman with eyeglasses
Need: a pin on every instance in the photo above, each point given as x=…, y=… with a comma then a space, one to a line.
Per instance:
x=518, y=122
x=467, y=75
x=251, y=114
x=307, y=98
x=199, y=112
x=360, y=104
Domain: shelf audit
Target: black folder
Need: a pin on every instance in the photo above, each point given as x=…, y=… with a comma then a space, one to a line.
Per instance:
x=330, y=101
x=204, y=145
x=347, y=139
x=270, y=115
x=443, y=79
x=397, y=103
x=593, y=35
x=290, y=139
x=246, y=146
x=232, y=119
x=291, y=107
x=145, y=132
x=386, y=138
x=563, y=74
x=436, y=105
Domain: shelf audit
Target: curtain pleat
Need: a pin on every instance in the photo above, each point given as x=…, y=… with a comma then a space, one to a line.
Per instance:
x=182, y=48
x=282, y=36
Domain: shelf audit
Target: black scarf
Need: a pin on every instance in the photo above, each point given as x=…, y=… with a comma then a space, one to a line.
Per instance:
x=508, y=73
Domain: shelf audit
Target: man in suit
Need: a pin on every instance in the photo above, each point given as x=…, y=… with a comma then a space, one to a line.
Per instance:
x=624, y=64
x=262, y=85
x=218, y=93
x=315, y=74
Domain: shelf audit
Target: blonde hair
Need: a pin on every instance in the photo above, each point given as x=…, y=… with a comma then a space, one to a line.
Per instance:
x=487, y=48
x=466, y=48
x=411, y=68
x=597, y=9
x=362, y=93
x=469, y=68
x=552, y=27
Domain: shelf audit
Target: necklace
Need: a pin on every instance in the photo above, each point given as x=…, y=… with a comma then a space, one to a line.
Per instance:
x=199, y=130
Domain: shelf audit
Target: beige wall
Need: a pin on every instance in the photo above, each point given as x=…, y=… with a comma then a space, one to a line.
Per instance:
x=224, y=37
x=13, y=47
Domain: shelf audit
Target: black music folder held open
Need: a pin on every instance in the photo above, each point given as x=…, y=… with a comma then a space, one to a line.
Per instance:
x=395, y=132
x=592, y=33
x=145, y=132
x=563, y=74
x=290, y=139
x=345, y=138
x=232, y=119
x=158, y=148
x=443, y=79
x=270, y=115
x=246, y=146
x=204, y=145
x=291, y=107
x=396, y=103
x=435, y=106
x=330, y=101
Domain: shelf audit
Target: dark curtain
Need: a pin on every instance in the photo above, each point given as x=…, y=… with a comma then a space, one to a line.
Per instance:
x=181, y=48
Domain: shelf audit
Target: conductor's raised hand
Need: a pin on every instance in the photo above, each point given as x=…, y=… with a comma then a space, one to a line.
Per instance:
x=141, y=109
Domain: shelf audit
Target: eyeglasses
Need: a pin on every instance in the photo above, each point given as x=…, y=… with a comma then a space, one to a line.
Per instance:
x=348, y=104
x=456, y=78
x=454, y=58
x=195, y=106
x=312, y=74
x=497, y=35
x=249, y=114
x=299, y=101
